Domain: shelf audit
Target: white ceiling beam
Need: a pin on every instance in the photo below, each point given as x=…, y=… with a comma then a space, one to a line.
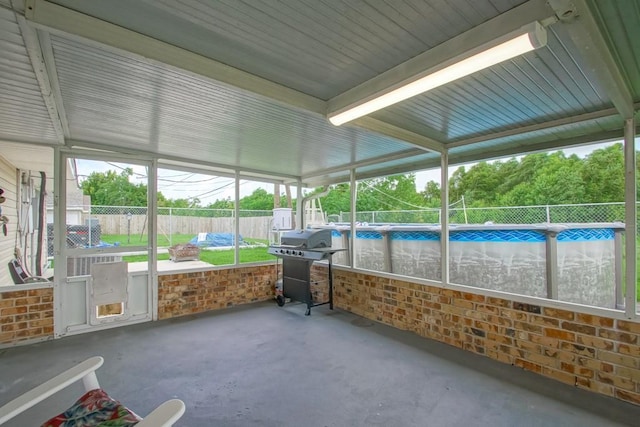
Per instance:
x=61, y=20
x=363, y=163
x=396, y=132
x=32, y=44
x=227, y=173
x=511, y=132
x=533, y=10
x=99, y=148
x=478, y=156
x=27, y=141
x=525, y=148
x=52, y=72
x=592, y=48
x=538, y=126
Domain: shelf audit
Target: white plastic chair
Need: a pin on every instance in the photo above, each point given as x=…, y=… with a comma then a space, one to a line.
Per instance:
x=163, y=416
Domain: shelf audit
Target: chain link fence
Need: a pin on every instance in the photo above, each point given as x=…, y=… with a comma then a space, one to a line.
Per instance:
x=89, y=225
x=583, y=213
x=130, y=224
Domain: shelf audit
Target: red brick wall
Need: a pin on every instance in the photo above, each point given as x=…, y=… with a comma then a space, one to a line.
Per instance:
x=25, y=314
x=188, y=293
x=597, y=353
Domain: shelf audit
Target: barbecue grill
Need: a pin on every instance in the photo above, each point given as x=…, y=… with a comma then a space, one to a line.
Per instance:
x=299, y=249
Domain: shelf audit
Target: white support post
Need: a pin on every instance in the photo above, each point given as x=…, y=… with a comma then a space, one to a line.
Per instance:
x=236, y=211
x=354, y=195
x=631, y=217
x=152, y=238
x=59, y=237
x=299, y=207
x=444, y=217
x=548, y=214
x=551, y=246
x=388, y=259
x=618, y=276
x=170, y=227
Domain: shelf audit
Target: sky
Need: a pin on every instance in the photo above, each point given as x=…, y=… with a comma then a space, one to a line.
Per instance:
x=179, y=184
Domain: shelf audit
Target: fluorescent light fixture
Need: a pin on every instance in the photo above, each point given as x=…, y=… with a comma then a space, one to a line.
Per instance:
x=526, y=39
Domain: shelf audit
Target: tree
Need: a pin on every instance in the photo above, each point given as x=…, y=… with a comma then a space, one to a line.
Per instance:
x=603, y=175
x=432, y=194
x=396, y=192
x=456, y=183
x=179, y=203
x=259, y=200
x=112, y=189
x=337, y=200
x=556, y=179
x=221, y=204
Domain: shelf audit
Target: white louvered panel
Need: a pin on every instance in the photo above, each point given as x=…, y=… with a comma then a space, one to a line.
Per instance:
x=538, y=86
x=321, y=48
x=117, y=100
x=623, y=33
x=23, y=114
x=565, y=132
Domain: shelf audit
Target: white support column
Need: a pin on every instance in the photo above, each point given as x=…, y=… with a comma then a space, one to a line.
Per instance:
x=551, y=246
x=618, y=276
x=299, y=207
x=59, y=237
x=236, y=211
x=152, y=239
x=354, y=195
x=631, y=217
x=444, y=217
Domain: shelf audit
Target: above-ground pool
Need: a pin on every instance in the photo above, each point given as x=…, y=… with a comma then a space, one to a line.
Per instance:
x=569, y=262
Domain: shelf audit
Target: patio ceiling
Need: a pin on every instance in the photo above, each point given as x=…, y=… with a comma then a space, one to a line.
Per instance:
x=246, y=85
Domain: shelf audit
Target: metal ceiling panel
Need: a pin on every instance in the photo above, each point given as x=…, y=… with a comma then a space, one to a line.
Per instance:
x=536, y=87
x=315, y=50
x=607, y=128
x=321, y=48
x=129, y=103
x=23, y=113
x=567, y=135
x=417, y=162
x=620, y=22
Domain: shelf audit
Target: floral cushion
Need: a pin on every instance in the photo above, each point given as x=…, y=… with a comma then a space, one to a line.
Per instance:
x=95, y=408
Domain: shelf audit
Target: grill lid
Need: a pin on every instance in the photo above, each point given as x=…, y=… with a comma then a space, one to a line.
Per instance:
x=307, y=239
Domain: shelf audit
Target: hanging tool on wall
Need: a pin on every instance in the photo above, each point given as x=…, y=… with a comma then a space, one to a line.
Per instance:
x=4, y=221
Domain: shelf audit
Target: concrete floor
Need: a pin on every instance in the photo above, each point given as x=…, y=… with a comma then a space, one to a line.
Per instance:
x=267, y=366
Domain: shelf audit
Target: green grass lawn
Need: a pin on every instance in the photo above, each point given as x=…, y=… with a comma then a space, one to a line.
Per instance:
x=163, y=241
x=141, y=240
x=220, y=257
x=216, y=257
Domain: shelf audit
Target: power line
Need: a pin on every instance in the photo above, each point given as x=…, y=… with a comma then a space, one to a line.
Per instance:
x=395, y=198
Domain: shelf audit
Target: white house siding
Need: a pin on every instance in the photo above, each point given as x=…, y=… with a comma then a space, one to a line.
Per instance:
x=8, y=182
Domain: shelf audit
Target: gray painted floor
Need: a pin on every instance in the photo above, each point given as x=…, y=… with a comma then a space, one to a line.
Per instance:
x=262, y=365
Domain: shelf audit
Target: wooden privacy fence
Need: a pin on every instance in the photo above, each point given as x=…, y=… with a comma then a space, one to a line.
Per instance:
x=250, y=227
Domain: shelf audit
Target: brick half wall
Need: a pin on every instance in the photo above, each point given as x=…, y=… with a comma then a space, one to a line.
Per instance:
x=188, y=293
x=25, y=314
x=596, y=353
